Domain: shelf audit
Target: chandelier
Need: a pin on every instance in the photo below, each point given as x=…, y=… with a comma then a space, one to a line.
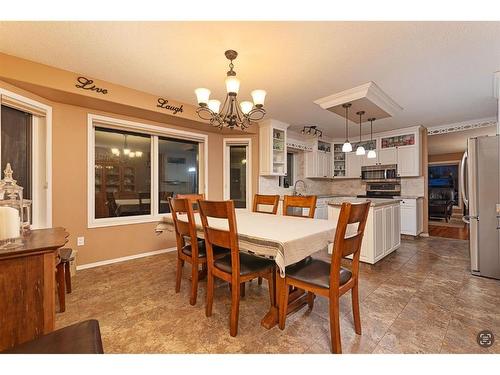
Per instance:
x=231, y=114
x=312, y=130
x=126, y=150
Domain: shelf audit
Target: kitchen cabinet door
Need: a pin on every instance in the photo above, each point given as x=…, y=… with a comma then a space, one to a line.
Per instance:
x=387, y=156
x=396, y=213
x=408, y=220
x=366, y=162
x=408, y=161
x=388, y=229
x=353, y=165
x=379, y=232
x=310, y=163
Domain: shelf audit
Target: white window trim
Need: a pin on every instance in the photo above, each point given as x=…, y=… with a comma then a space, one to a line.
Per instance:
x=225, y=161
x=155, y=132
x=47, y=111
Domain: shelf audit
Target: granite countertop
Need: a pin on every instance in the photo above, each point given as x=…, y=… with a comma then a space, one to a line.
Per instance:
x=375, y=202
x=410, y=197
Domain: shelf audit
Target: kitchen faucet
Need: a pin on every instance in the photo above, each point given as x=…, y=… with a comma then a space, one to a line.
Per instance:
x=295, y=186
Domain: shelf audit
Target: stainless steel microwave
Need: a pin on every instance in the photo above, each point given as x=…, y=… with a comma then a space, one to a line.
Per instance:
x=379, y=173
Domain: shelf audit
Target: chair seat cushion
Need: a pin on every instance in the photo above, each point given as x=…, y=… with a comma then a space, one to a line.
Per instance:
x=202, y=250
x=66, y=255
x=248, y=264
x=79, y=338
x=316, y=272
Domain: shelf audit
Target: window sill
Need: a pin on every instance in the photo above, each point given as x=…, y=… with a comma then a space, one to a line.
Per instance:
x=113, y=221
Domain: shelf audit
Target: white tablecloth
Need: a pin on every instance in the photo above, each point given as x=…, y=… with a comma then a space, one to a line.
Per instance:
x=285, y=239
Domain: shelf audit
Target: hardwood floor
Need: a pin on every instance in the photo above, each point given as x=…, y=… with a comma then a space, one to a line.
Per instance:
x=461, y=233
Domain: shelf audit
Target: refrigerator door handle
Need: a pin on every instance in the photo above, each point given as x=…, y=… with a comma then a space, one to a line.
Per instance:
x=462, y=180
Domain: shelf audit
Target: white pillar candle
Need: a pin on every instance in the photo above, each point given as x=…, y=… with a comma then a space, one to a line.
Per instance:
x=10, y=223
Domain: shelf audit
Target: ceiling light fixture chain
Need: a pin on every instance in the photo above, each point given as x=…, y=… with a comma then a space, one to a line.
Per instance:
x=360, y=150
x=346, y=147
x=372, y=154
x=232, y=114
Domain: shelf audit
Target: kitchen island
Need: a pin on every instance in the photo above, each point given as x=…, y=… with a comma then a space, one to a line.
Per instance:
x=382, y=232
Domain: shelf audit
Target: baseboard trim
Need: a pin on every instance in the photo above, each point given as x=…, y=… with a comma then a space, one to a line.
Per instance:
x=124, y=259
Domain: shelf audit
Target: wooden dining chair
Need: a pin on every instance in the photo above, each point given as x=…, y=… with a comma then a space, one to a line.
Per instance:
x=236, y=268
x=294, y=201
x=193, y=198
x=193, y=250
x=266, y=200
x=331, y=280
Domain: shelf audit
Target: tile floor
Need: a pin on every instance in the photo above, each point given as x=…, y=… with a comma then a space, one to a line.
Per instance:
x=420, y=299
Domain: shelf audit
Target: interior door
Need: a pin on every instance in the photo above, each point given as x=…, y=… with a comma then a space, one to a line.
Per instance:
x=236, y=175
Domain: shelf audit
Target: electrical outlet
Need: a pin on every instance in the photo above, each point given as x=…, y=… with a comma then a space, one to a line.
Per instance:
x=80, y=241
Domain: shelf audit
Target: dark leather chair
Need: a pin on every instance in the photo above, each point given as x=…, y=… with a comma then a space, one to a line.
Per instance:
x=79, y=338
x=441, y=202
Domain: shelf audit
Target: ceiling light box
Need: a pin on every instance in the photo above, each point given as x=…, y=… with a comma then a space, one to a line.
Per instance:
x=367, y=97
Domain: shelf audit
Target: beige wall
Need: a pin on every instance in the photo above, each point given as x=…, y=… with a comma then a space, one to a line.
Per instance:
x=69, y=178
x=456, y=156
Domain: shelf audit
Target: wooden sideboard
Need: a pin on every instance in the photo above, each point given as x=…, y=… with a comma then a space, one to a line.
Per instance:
x=27, y=286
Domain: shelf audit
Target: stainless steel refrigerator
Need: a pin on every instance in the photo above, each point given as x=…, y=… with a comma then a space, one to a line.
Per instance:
x=480, y=185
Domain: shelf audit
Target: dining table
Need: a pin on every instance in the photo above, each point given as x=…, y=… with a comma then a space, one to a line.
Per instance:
x=284, y=239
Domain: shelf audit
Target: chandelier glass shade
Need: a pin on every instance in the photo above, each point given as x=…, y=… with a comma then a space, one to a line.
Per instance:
x=346, y=147
x=230, y=113
x=126, y=150
x=372, y=154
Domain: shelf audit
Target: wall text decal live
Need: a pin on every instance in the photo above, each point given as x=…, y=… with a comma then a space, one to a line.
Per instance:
x=88, y=84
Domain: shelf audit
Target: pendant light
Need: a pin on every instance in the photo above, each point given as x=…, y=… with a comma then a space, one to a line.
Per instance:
x=372, y=154
x=360, y=150
x=346, y=147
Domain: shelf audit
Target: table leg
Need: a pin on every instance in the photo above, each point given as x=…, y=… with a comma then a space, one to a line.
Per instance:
x=272, y=316
x=296, y=300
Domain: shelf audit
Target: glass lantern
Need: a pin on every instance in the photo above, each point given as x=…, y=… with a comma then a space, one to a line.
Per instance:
x=12, y=211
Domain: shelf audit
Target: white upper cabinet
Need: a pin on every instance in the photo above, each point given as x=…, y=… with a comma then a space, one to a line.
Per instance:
x=319, y=162
x=408, y=161
x=402, y=148
x=353, y=165
x=387, y=156
x=272, y=146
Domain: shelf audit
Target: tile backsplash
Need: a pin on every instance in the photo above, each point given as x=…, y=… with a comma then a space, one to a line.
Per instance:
x=413, y=186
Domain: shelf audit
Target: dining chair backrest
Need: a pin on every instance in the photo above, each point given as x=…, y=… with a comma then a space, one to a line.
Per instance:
x=350, y=214
x=193, y=198
x=219, y=237
x=184, y=228
x=294, y=201
x=266, y=200
x=111, y=203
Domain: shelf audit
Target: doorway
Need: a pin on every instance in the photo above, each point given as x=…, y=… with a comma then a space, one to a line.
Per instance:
x=237, y=172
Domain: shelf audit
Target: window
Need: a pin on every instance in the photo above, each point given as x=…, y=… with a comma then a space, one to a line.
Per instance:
x=288, y=180
x=16, y=129
x=25, y=132
x=122, y=173
x=134, y=168
x=178, y=169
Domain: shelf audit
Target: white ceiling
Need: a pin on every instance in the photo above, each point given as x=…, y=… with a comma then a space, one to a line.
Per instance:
x=455, y=142
x=439, y=72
